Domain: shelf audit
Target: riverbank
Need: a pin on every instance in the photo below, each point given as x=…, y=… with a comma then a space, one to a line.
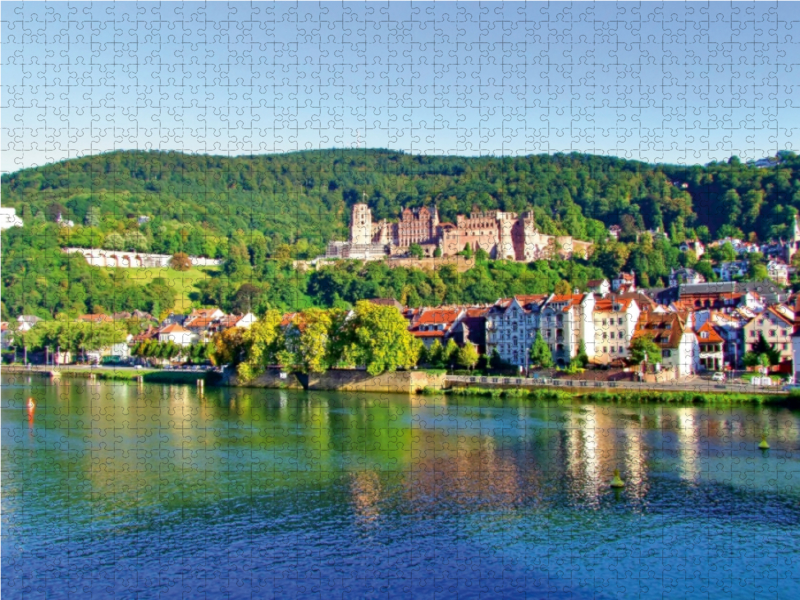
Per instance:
x=425, y=383
x=605, y=395
x=110, y=374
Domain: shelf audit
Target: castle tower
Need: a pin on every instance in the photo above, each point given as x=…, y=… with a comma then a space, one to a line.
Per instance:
x=360, y=224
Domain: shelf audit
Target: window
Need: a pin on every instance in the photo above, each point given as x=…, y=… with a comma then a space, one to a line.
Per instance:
x=784, y=346
x=771, y=333
x=612, y=335
x=605, y=349
x=666, y=353
x=704, y=335
x=620, y=321
x=605, y=322
x=752, y=333
x=621, y=349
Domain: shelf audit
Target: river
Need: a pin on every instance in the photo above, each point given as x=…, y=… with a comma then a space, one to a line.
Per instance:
x=150, y=491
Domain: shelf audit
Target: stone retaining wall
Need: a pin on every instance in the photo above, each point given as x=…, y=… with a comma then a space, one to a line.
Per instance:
x=346, y=380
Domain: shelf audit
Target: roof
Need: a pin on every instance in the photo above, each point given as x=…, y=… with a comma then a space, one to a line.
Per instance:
x=229, y=320
x=148, y=334
x=386, y=302
x=173, y=328
x=287, y=319
x=438, y=316
x=711, y=336
x=643, y=301
x=666, y=329
x=202, y=313
x=596, y=282
x=781, y=314
x=199, y=322
x=28, y=319
x=607, y=304
x=95, y=319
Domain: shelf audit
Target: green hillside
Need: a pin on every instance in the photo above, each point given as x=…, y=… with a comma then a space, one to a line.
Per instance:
x=248, y=210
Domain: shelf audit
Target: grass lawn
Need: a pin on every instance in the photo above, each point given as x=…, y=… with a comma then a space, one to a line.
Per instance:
x=183, y=282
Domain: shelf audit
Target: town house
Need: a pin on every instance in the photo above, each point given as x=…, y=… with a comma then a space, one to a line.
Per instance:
x=673, y=334
x=776, y=324
x=614, y=325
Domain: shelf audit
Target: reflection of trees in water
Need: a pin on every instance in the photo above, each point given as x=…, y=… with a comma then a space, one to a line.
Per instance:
x=120, y=445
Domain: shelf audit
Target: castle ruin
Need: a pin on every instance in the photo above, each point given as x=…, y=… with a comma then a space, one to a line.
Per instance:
x=502, y=235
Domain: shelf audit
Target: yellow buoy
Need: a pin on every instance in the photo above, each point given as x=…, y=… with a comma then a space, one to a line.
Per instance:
x=617, y=481
x=764, y=445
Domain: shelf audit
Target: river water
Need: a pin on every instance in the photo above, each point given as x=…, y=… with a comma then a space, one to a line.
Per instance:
x=150, y=491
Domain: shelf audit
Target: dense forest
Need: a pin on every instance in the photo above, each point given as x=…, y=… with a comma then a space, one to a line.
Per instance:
x=258, y=212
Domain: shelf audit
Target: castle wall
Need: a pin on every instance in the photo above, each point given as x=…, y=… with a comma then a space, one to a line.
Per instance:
x=502, y=235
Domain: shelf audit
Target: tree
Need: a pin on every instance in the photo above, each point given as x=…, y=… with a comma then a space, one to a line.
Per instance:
x=496, y=362
x=229, y=347
x=416, y=251
x=645, y=346
x=563, y=288
x=309, y=341
x=246, y=298
x=468, y=355
x=450, y=352
x=435, y=355
x=762, y=349
x=261, y=344
x=581, y=358
x=136, y=241
x=540, y=353
x=180, y=261
x=378, y=337
x=114, y=241
x=437, y=252
x=92, y=217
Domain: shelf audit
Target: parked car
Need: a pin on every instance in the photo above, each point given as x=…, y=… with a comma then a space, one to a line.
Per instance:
x=718, y=376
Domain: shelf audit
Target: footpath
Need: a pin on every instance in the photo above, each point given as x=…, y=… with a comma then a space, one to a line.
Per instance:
x=689, y=385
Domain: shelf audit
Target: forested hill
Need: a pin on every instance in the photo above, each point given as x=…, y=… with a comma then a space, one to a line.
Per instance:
x=203, y=204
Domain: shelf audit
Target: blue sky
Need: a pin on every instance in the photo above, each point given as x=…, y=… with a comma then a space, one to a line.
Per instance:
x=662, y=82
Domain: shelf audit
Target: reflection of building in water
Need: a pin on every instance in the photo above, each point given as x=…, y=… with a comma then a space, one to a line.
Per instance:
x=635, y=457
x=467, y=470
x=584, y=443
x=365, y=490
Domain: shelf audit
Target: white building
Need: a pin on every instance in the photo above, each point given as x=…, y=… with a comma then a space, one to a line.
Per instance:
x=695, y=246
x=176, y=334
x=614, y=322
x=26, y=322
x=778, y=271
x=563, y=320
x=624, y=283
x=9, y=218
x=684, y=276
x=728, y=271
x=599, y=286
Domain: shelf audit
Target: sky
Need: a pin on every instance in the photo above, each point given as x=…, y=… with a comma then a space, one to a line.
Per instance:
x=683, y=83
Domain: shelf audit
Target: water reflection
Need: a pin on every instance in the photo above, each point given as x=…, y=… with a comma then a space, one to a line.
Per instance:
x=95, y=463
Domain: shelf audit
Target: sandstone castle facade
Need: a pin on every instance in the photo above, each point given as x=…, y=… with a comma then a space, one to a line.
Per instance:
x=503, y=235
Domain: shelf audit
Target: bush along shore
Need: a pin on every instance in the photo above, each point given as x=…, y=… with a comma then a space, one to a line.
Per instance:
x=645, y=397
